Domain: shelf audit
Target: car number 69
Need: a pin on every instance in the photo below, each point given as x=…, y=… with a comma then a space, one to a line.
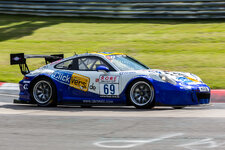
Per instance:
x=108, y=89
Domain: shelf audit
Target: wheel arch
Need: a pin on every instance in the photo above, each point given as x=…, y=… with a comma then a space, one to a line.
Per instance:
x=131, y=82
x=38, y=78
x=141, y=78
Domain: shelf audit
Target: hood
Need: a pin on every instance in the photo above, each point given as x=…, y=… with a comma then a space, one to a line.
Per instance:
x=178, y=77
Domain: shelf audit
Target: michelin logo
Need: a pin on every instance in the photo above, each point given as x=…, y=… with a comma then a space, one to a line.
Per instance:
x=62, y=77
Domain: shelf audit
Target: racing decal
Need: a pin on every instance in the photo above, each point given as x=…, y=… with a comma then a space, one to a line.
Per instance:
x=109, y=79
x=26, y=82
x=98, y=101
x=79, y=82
x=92, y=87
x=127, y=73
x=187, y=79
x=184, y=79
x=192, y=79
x=25, y=86
x=109, y=90
x=203, y=89
x=63, y=77
x=74, y=80
x=109, y=86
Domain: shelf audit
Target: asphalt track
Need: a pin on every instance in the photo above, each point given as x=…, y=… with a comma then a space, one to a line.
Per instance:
x=28, y=127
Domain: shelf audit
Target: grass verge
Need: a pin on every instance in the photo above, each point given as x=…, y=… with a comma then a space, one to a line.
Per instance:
x=196, y=46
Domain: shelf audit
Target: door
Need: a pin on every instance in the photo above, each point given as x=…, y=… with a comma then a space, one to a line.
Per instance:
x=90, y=86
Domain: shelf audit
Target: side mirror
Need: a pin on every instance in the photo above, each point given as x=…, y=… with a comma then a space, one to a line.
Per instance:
x=102, y=69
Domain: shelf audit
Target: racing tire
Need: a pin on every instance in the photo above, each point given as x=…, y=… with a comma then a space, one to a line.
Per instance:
x=44, y=93
x=142, y=95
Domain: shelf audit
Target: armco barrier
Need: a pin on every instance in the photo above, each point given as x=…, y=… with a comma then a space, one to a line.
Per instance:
x=173, y=9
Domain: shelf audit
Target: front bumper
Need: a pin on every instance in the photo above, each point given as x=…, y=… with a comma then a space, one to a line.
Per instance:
x=181, y=95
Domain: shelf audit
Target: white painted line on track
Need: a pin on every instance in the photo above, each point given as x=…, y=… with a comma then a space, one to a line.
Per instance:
x=208, y=143
x=131, y=143
x=9, y=95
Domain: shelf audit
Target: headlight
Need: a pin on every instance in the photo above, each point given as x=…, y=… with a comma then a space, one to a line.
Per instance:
x=166, y=79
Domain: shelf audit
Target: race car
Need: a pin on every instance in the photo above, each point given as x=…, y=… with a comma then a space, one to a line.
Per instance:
x=106, y=79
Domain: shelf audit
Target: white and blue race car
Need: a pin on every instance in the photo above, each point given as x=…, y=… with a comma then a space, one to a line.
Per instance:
x=106, y=79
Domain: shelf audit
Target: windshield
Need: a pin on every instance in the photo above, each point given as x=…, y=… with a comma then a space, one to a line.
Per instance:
x=125, y=63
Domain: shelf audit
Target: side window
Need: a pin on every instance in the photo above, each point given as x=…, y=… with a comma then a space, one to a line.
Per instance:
x=65, y=65
x=89, y=63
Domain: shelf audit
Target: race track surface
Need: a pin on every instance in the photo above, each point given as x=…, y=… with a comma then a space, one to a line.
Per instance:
x=26, y=127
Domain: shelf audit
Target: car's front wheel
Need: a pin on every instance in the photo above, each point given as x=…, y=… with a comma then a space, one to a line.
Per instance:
x=43, y=92
x=141, y=94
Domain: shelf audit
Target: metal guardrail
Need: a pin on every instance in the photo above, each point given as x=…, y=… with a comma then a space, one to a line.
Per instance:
x=117, y=8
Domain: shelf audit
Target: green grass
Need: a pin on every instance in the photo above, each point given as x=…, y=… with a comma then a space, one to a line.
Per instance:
x=180, y=45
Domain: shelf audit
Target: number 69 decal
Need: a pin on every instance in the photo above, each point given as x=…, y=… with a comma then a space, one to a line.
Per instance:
x=109, y=89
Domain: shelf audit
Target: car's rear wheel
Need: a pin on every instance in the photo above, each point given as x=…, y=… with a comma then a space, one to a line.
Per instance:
x=141, y=94
x=44, y=93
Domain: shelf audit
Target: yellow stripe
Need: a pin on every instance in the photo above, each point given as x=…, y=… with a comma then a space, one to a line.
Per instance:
x=192, y=79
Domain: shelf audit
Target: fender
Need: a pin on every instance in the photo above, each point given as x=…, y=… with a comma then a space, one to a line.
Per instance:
x=46, y=75
x=139, y=77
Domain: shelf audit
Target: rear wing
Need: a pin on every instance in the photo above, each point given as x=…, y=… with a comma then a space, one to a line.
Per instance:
x=20, y=59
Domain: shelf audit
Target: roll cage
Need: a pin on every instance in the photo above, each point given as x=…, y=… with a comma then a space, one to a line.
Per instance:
x=80, y=60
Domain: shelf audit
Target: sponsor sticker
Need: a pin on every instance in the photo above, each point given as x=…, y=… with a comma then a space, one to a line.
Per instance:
x=203, y=89
x=79, y=82
x=92, y=87
x=25, y=86
x=16, y=58
x=109, y=79
x=74, y=80
x=63, y=77
x=109, y=90
x=127, y=73
x=98, y=101
x=26, y=82
x=192, y=79
x=187, y=79
x=109, y=86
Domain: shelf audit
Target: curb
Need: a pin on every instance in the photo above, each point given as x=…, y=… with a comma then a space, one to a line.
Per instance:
x=217, y=95
x=9, y=86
